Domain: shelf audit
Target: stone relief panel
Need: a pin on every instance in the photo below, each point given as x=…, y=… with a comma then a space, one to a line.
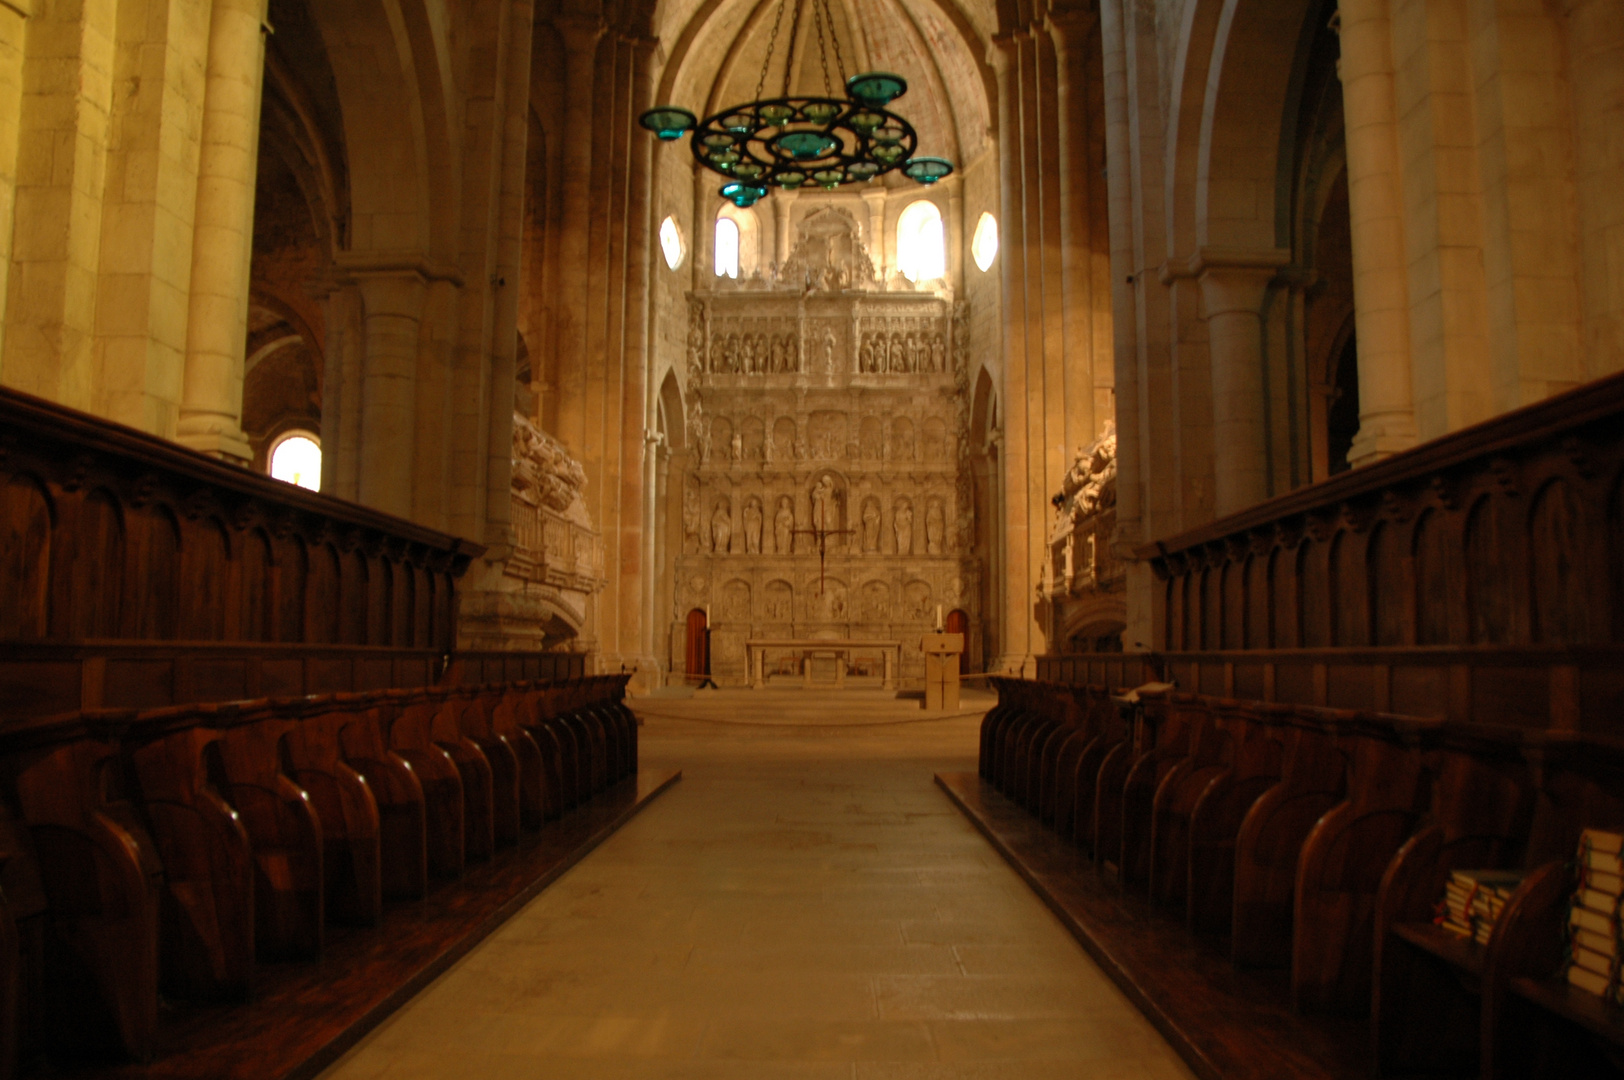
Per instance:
x=902, y=439
x=870, y=441
x=736, y=601
x=826, y=435
x=721, y=439
x=783, y=445
x=916, y=601
x=752, y=433
x=934, y=440
x=826, y=600
x=876, y=602
x=778, y=601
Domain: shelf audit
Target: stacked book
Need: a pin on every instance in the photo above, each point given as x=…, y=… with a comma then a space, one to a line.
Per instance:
x=1594, y=929
x=1473, y=900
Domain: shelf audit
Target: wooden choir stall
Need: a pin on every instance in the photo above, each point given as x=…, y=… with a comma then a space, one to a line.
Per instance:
x=251, y=799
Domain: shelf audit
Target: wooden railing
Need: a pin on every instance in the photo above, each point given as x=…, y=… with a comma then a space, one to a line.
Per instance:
x=107, y=533
x=1506, y=533
x=42, y=678
x=1556, y=687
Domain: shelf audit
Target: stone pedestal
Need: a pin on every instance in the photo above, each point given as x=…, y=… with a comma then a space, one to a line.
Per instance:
x=941, y=670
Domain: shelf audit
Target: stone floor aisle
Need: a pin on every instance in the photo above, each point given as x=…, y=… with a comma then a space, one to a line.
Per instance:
x=805, y=903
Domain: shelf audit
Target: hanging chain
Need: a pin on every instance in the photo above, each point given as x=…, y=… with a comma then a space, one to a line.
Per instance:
x=834, y=39
x=818, y=7
x=789, y=57
x=772, y=44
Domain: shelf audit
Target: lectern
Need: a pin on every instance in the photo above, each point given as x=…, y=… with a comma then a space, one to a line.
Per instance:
x=942, y=669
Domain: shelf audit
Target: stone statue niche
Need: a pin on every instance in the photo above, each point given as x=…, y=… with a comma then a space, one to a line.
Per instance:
x=722, y=527
x=752, y=526
x=902, y=524
x=784, y=526
x=828, y=502
x=828, y=255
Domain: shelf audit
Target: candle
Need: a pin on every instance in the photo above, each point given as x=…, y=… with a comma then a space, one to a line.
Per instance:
x=938, y=618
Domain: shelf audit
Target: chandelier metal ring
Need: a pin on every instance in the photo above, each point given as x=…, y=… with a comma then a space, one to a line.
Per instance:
x=798, y=142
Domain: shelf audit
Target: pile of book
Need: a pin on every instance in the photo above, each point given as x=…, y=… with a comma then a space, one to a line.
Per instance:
x=1593, y=920
x=1473, y=900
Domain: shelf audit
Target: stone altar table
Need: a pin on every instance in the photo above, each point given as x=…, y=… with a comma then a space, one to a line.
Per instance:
x=756, y=656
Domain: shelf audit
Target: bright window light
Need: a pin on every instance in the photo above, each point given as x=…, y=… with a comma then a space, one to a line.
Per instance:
x=727, y=247
x=296, y=459
x=671, y=242
x=984, y=245
x=921, y=246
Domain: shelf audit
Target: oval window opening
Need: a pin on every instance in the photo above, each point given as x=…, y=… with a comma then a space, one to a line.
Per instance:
x=984, y=246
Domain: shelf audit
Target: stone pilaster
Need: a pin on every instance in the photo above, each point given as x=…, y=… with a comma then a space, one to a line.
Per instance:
x=223, y=234
x=1376, y=213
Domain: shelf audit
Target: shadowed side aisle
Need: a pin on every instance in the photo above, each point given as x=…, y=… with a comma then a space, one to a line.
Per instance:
x=804, y=904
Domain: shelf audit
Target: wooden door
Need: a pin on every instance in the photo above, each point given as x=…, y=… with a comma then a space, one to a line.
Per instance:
x=698, y=645
x=959, y=623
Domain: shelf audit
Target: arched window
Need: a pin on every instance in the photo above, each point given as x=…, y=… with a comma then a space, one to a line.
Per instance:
x=984, y=245
x=671, y=242
x=921, y=245
x=296, y=459
x=726, y=262
x=738, y=242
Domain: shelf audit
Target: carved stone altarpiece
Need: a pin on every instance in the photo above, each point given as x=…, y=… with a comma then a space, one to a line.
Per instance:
x=822, y=401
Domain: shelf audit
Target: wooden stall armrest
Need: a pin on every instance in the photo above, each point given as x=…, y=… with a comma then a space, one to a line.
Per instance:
x=1412, y=883
x=1527, y=944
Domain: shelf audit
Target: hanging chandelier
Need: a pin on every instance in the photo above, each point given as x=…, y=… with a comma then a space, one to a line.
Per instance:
x=795, y=142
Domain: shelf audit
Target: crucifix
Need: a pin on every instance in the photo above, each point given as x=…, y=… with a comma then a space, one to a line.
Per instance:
x=823, y=498
x=821, y=535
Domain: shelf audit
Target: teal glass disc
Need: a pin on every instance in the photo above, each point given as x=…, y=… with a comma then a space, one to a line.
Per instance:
x=806, y=145
x=876, y=89
x=927, y=170
x=668, y=122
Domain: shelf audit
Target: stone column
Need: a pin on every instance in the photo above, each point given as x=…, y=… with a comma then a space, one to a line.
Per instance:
x=223, y=233
x=1595, y=40
x=955, y=231
x=1232, y=301
x=393, y=304
x=875, y=198
x=783, y=202
x=1376, y=218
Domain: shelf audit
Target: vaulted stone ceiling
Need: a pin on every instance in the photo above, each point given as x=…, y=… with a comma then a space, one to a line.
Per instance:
x=714, y=51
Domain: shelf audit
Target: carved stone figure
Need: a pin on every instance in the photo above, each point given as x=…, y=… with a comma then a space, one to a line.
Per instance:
x=902, y=523
x=938, y=354
x=752, y=526
x=690, y=517
x=735, y=448
x=784, y=527
x=722, y=528
x=696, y=338
x=828, y=350
x=544, y=473
x=823, y=503
x=935, y=526
x=871, y=525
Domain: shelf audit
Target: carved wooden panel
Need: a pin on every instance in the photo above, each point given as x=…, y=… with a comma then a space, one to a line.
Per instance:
x=106, y=533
